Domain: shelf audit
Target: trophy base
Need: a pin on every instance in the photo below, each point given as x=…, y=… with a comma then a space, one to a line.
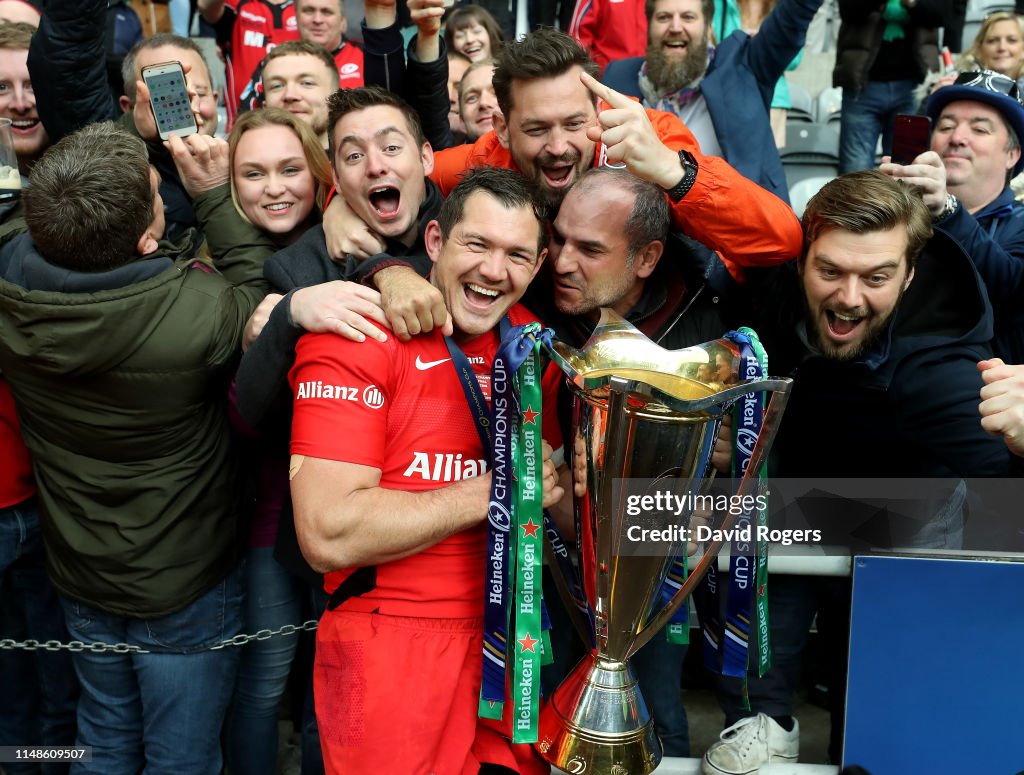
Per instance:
x=597, y=722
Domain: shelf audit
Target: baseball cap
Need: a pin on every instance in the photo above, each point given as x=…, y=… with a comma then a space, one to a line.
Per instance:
x=989, y=87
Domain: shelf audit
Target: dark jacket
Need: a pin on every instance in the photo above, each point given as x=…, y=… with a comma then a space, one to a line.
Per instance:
x=738, y=89
x=994, y=239
x=860, y=38
x=263, y=373
x=67, y=64
x=678, y=307
x=424, y=85
x=121, y=381
x=909, y=406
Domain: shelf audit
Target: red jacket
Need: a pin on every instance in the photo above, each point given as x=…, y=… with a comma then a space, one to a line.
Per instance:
x=746, y=224
x=610, y=29
x=16, y=482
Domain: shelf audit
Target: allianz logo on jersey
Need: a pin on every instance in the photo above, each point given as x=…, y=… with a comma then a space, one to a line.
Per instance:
x=443, y=467
x=371, y=395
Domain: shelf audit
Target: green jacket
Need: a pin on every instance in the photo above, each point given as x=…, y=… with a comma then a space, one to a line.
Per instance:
x=121, y=380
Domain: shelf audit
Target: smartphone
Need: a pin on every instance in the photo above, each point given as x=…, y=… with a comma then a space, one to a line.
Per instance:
x=169, y=97
x=911, y=136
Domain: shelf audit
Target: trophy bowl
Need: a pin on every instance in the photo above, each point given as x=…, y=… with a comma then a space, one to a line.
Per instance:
x=640, y=412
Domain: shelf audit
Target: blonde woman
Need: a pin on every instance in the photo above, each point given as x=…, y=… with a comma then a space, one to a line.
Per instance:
x=998, y=46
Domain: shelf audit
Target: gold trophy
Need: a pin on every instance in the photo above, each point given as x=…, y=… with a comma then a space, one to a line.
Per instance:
x=639, y=412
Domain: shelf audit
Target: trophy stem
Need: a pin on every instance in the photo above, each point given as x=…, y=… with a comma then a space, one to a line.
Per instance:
x=758, y=457
x=597, y=722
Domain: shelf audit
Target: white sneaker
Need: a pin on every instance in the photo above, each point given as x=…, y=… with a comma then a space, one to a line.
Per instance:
x=750, y=743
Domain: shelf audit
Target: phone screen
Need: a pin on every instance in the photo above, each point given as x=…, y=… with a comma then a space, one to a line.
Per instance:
x=911, y=137
x=169, y=97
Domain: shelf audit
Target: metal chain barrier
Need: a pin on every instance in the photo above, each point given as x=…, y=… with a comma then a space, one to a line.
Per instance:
x=9, y=644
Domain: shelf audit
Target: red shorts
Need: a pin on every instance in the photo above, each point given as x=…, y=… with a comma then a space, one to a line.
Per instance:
x=398, y=695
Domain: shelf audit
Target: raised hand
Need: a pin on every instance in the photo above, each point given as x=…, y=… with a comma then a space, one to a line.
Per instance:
x=202, y=162
x=630, y=138
x=142, y=110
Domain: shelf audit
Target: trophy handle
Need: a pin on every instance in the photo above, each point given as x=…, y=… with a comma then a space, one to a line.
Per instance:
x=769, y=427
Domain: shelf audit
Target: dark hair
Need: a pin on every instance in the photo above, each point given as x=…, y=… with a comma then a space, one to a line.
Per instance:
x=465, y=16
x=648, y=221
x=544, y=53
x=16, y=35
x=865, y=202
x=512, y=189
x=89, y=199
x=345, y=101
x=128, y=74
x=707, y=7
x=304, y=48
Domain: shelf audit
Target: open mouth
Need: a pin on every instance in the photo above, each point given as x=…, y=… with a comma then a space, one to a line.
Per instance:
x=842, y=326
x=473, y=48
x=479, y=296
x=675, y=45
x=385, y=201
x=557, y=176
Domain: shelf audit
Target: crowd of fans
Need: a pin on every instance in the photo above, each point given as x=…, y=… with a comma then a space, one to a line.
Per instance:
x=226, y=403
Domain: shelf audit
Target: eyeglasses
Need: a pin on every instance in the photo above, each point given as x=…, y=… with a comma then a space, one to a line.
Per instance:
x=989, y=80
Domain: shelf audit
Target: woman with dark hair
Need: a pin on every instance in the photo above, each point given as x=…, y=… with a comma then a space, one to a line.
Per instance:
x=473, y=31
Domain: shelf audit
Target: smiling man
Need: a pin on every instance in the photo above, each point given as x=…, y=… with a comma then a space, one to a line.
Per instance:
x=978, y=123
x=299, y=76
x=722, y=93
x=880, y=324
x=322, y=25
x=379, y=158
x=398, y=668
x=477, y=102
x=552, y=128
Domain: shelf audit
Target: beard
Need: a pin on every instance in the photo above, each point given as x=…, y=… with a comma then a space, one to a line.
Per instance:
x=670, y=73
x=875, y=328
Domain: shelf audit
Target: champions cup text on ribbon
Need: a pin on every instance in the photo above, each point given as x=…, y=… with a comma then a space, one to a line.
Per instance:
x=515, y=527
x=727, y=649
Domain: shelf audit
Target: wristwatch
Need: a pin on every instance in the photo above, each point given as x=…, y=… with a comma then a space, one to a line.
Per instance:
x=680, y=189
x=951, y=204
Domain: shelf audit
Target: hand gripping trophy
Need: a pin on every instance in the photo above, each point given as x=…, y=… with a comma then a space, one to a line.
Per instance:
x=639, y=412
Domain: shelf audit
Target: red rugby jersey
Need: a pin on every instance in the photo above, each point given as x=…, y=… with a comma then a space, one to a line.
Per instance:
x=399, y=407
x=256, y=27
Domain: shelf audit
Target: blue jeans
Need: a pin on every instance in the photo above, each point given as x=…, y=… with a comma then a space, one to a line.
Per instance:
x=866, y=115
x=273, y=599
x=659, y=669
x=38, y=687
x=160, y=713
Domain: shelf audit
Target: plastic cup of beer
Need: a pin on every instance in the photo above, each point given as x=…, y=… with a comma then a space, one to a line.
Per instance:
x=10, y=176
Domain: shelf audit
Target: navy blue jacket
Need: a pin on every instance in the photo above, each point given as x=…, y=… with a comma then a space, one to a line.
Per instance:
x=909, y=407
x=994, y=239
x=738, y=89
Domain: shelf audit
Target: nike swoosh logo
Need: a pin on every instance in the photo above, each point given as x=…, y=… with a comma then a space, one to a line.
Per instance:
x=424, y=365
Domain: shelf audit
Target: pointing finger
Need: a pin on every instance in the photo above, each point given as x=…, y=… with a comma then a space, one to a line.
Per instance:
x=607, y=94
